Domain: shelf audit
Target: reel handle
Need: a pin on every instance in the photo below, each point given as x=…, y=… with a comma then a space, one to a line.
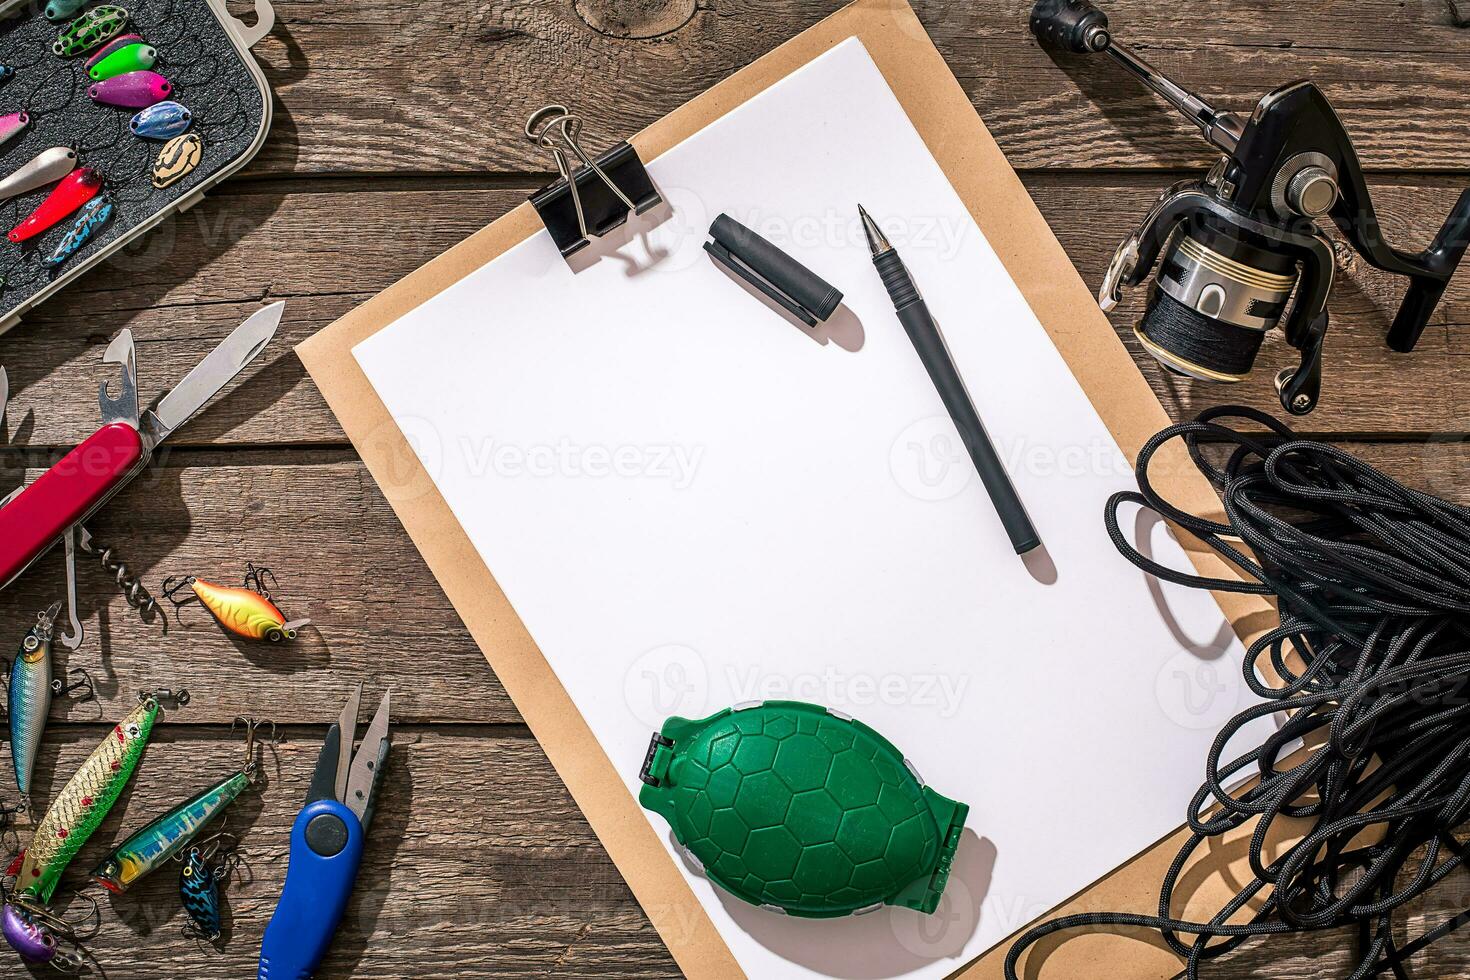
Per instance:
x=1425, y=291
x=1077, y=26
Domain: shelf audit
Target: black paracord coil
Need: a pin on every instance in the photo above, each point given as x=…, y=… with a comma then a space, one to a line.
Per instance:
x=1370, y=663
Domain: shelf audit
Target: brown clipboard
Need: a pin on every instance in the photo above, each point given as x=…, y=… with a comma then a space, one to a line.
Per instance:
x=995, y=197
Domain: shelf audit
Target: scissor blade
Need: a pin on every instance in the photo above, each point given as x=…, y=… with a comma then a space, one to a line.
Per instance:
x=368, y=763
x=4, y=392
x=221, y=367
x=347, y=724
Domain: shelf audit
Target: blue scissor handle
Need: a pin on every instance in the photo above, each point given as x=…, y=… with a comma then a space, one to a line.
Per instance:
x=318, y=885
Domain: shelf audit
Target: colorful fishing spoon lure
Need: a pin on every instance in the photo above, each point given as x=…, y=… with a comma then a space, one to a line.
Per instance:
x=30, y=697
x=12, y=125
x=129, y=58
x=162, y=121
x=83, y=804
x=135, y=90
x=46, y=167
x=94, y=215
x=247, y=612
x=62, y=9
x=164, y=838
x=96, y=26
x=177, y=159
x=116, y=44
x=76, y=189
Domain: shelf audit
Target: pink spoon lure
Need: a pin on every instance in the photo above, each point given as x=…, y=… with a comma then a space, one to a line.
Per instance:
x=135, y=90
x=12, y=125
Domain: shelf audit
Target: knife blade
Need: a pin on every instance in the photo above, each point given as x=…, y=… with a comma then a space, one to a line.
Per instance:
x=222, y=365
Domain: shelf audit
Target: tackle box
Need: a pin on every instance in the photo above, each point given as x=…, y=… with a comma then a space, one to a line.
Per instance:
x=204, y=52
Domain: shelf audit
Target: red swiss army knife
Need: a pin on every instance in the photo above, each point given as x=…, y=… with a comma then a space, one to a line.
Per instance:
x=52, y=510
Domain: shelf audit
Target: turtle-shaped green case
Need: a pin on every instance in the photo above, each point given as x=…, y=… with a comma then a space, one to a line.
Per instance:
x=800, y=809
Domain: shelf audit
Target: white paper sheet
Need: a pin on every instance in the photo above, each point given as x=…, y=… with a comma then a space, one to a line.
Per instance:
x=692, y=502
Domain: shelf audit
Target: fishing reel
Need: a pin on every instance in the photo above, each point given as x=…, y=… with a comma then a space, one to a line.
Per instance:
x=1244, y=250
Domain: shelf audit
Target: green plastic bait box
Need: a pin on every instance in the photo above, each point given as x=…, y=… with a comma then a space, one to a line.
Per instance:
x=801, y=809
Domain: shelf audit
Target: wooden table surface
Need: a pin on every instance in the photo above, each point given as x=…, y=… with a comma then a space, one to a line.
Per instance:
x=397, y=133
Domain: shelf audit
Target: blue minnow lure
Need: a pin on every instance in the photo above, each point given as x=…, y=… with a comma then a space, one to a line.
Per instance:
x=62, y=9
x=94, y=215
x=30, y=696
x=162, y=121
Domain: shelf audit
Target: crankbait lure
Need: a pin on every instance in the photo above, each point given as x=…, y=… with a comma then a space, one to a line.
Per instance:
x=162, y=121
x=247, y=612
x=46, y=167
x=12, y=125
x=204, y=870
x=130, y=58
x=177, y=159
x=33, y=941
x=62, y=9
x=76, y=189
x=94, y=215
x=96, y=26
x=148, y=849
x=30, y=697
x=135, y=90
x=84, y=803
x=116, y=44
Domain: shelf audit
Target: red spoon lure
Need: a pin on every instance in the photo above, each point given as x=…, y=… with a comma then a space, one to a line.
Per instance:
x=76, y=189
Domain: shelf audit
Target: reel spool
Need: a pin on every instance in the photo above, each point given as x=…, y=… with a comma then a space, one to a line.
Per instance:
x=1243, y=251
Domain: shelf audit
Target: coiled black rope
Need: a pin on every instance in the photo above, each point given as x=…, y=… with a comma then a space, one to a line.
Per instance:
x=1370, y=663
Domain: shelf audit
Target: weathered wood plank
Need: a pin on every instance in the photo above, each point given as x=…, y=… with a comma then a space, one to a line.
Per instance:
x=439, y=86
x=478, y=864
x=341, y=558
x=176, y=314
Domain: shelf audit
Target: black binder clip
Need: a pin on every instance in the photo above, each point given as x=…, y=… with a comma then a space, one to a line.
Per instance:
x=595, y=198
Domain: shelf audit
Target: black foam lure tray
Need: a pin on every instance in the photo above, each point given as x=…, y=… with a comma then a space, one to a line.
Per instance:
x=202, y=50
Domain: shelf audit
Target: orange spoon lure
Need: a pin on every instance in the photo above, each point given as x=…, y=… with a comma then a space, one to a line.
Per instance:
x=247, y=611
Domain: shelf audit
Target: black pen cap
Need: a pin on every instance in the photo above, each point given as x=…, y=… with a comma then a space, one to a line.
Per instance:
x=800, y=286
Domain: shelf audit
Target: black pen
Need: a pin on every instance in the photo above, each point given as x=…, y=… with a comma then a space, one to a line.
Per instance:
x=913, y=313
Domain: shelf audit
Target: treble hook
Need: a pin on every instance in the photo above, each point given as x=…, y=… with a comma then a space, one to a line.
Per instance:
x=60, y=689
x=255, y=579
x=171, y=590
x=251, y=768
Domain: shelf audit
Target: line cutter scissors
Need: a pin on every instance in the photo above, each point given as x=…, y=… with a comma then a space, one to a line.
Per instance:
x=326, y=845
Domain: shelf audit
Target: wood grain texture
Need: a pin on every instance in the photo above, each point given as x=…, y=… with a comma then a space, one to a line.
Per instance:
x=178, y=310
x=398, y=134
x=444, y=86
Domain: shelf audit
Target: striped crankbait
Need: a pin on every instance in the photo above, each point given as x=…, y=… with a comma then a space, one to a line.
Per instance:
x=84, y=803
x=247, y=612
x=205, y=868
x=167, y=836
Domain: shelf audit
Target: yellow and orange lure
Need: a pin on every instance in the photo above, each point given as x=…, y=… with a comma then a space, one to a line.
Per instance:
x=247, y=611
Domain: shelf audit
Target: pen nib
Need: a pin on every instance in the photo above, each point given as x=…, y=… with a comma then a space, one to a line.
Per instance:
x=876, y=242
